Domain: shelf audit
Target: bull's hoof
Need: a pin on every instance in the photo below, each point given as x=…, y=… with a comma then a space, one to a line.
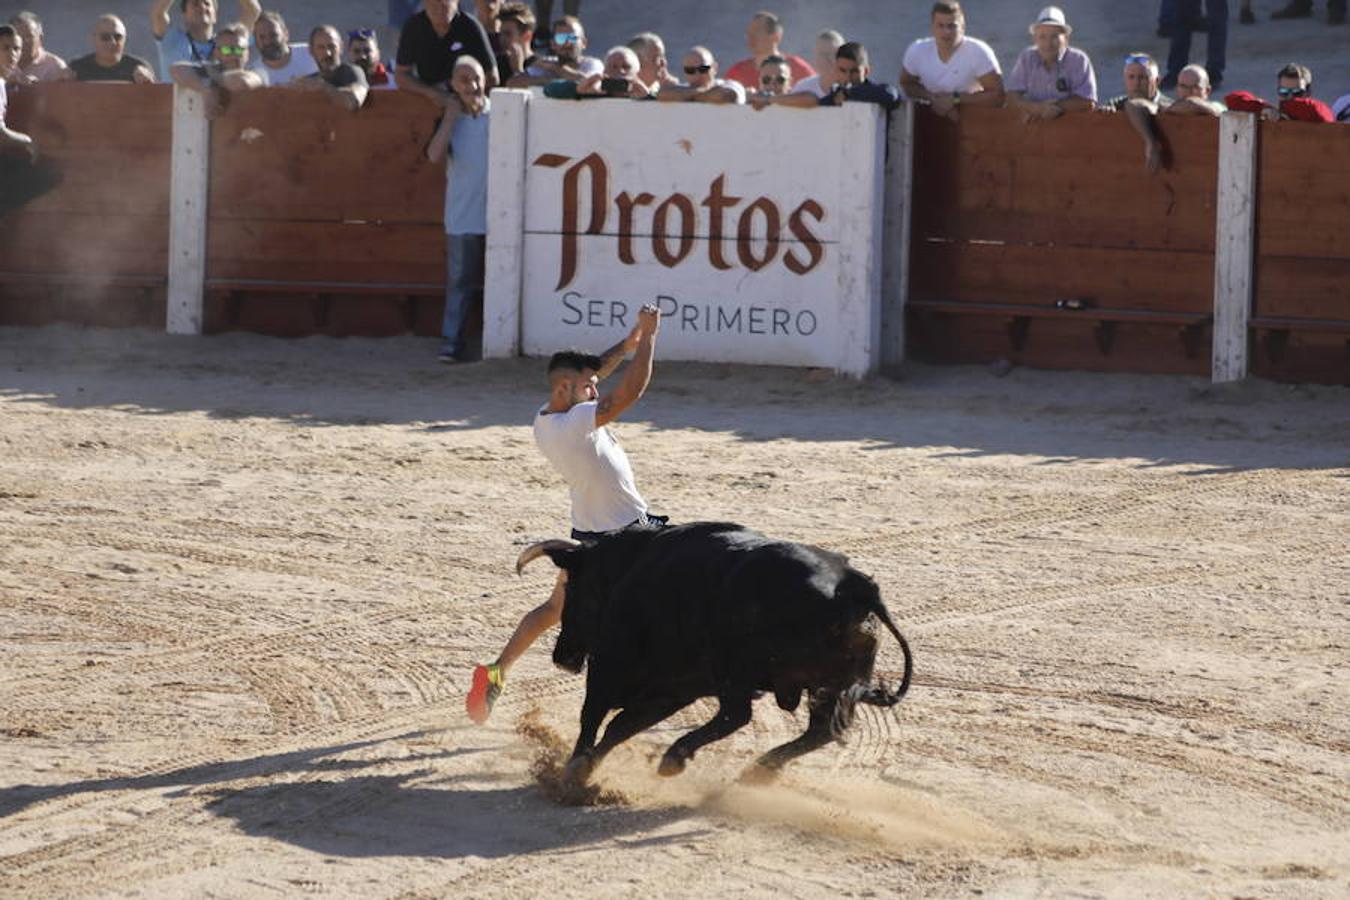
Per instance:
x=578, y=770
x=758, y=775
x=671, y=764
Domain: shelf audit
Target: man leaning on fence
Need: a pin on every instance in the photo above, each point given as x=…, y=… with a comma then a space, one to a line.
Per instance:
x=1140, y=103
x=1294, y=85
x=110, y=61
x=951, y=68
x=37, y=62
x=431, y=45
x=461, y=141
x=1051, y=78
x=342, y=82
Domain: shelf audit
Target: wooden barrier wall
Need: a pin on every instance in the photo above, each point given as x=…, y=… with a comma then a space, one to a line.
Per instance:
x=95, y=248
x=1010, y=218
x=326, y=221
x=322, y=220
x=1301, y=311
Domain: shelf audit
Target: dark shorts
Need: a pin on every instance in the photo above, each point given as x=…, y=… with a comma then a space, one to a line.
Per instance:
x=646, y=519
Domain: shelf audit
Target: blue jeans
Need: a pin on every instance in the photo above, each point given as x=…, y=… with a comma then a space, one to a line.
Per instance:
x=465, y=263
x=1216, y=47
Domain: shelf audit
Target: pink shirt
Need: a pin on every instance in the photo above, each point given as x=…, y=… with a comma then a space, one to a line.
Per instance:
x=46, y=67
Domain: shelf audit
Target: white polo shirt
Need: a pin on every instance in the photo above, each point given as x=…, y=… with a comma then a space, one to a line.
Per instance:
x=971, y=60
x=604, y=495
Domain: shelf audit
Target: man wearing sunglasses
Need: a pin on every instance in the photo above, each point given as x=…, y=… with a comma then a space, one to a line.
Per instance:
x=701, y=84
x=110, y=61
x=568, y=62
x=1140, y=103
x=193, y=42
x=1296, y=100
x=225, y=73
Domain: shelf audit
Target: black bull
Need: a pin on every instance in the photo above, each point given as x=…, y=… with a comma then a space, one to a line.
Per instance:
x=713, y=609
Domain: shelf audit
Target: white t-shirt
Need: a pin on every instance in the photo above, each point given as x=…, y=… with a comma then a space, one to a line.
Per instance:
x=299, y=65
x=809, y=86
x=971, y=59
x=604, y=495
x=586, y=65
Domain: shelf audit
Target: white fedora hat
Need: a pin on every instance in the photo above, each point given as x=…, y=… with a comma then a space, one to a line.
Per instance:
x=1051, y=15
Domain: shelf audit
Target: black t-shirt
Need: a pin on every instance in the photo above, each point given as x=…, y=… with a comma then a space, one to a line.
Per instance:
x=433, y=57
x=86, y=68
x=343, y=76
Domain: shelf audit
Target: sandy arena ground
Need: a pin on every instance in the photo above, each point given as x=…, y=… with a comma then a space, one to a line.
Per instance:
x=243, y=581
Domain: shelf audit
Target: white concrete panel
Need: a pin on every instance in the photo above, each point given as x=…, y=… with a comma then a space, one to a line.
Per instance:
x=506, y=224
x=1235, y=245
x=190, y=177
x=730, y=220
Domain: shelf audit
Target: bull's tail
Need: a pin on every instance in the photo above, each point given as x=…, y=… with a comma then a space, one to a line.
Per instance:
x=865, y=591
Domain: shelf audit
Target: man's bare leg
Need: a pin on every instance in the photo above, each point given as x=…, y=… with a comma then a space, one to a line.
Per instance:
x=488, y=681
x=534, y=623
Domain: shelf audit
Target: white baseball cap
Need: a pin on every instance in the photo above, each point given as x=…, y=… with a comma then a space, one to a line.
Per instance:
x=1051, y=15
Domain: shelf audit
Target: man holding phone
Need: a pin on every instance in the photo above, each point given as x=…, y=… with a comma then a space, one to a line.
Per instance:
x=568, y=62
x=619, y=79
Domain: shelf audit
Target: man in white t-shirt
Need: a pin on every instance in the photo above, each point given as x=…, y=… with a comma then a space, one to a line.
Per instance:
x=570, y=431
x=949, y=68
x=279, y=61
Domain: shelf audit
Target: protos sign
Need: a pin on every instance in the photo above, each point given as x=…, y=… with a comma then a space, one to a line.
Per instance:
x=754, y=232
x=755, y=229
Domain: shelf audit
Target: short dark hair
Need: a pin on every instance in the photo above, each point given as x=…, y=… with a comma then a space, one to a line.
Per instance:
x=1294, y=70
x=947, y=9
x=770, y=21
x=8, y=31
x=574, y=361
x=854, y=51
x=775, y=60
x=319, y=29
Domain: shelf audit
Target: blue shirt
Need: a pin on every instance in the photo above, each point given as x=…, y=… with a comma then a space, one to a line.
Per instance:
x=178, y=46
x=1070, y=76
x=467, y=175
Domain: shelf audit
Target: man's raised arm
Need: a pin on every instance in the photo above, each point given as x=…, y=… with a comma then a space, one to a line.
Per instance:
x=159, y=17
x=249, y=11
x=639, y=372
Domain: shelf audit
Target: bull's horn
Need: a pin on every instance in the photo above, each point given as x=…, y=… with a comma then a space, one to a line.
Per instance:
x=534, y=551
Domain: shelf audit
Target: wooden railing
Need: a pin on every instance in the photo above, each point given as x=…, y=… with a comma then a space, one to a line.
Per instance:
x=1047, y=244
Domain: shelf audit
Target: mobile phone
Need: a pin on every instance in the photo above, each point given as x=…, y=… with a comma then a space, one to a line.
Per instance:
x=614, y=87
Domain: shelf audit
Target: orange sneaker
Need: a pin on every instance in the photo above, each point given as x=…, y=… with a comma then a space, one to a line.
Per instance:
x=483, y=692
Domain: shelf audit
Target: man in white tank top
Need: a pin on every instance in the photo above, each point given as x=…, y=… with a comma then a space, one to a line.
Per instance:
x=570, y=431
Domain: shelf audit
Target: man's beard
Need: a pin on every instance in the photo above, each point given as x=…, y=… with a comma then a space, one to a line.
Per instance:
x=273, y=52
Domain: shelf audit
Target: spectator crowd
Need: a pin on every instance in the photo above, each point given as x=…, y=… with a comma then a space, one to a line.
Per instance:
x=454, y=54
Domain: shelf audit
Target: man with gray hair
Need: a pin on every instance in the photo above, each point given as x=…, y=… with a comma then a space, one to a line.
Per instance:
x=820, y=84
x=461, y=143
x=619, y=79
x=1140, y=103
x=653, y=67
x=36, y=63
x=763, y=38
x=701, y=82
x=1051, y=78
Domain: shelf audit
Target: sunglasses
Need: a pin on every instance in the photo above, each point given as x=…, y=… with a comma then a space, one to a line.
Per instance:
x=697, y=70
x=772, y=79
x=1292, y=92
x=230, y=50
x=111, y=36
x=1141, y=59
x=361, y=34
x=566, y=37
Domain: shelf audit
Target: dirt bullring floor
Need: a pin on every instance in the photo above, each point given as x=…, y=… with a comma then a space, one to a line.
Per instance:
x=243, y=581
